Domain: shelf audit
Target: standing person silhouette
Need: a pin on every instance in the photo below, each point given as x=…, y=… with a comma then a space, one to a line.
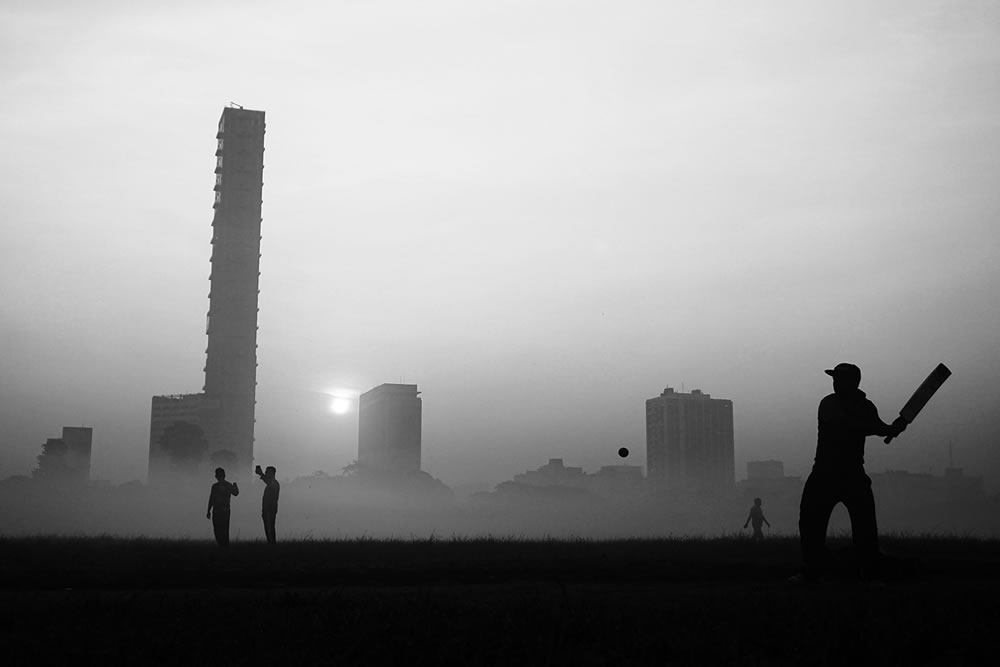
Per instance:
x=269, y=502
x=846, y=417
x=218, y=506
x=758, y=518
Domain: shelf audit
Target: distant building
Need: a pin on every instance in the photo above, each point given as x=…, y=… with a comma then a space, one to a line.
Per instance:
x=165, y=411
x=961, y=487
x=769, y=469
x=79, y=441
x=52, y=461
x=67, y=458
x=689, y=443
x=900, y=489
x=225, y=411
x=617, y=482
x=553, y=473
x=389, y=425
x=766, y=479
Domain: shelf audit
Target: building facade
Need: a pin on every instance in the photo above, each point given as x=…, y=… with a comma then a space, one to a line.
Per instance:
x=164, y=412
x=689, y=443
x=66, y=459
x=225, y=409
x=231, y=359
x=79, y=442
x=389, y=425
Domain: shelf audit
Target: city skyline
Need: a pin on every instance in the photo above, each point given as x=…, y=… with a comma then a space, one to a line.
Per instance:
x=583, y=208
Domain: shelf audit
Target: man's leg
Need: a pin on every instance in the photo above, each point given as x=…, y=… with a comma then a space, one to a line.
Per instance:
x=217, y=528
x=758, y=534
x=860, y=504
x=269, y=521
x=222, y=530
x=818, y=501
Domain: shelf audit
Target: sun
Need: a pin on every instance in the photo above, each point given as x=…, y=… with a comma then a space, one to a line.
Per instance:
x=340, y=406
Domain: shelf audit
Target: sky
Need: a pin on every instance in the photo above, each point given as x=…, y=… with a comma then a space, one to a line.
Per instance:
x=542, y=213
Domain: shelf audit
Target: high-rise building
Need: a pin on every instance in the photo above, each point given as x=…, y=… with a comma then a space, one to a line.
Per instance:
x=225, y=409
x=231, y=363
x=389, y=422
x=689, y=442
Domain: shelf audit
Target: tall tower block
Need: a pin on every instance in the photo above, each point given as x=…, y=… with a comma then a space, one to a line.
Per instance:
x=231, y=364
x=689, y=443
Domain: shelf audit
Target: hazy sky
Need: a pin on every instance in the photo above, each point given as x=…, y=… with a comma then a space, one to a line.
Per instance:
x=542, y=213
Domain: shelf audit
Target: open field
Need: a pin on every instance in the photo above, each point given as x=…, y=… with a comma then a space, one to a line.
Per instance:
x=719, y=601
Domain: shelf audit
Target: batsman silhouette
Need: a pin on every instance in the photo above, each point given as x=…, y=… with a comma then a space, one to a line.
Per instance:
x=846, y=418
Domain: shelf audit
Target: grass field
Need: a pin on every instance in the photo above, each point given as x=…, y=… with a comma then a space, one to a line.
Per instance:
x=718, y=601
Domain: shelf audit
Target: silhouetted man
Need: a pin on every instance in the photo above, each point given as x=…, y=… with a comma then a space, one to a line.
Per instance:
x=269, y=503
x=846, y=418
x=218, y=506
x=758, y=518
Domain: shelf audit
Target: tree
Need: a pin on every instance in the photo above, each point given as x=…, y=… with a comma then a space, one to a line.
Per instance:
x=186, y=445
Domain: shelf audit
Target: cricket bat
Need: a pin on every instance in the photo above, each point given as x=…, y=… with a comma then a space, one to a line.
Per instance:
x=922, y=395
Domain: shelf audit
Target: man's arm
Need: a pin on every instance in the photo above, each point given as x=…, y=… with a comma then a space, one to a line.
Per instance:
x=211, y=502
x=747, y=522
x=765, y=519
x=235, y=490
x=864, y=420
x=878, y=427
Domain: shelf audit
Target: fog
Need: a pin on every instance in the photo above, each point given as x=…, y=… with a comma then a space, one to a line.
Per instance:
x=540, y=213
x=337, y=507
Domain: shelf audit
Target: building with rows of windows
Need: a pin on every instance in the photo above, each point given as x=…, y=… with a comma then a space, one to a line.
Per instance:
x=225, y=408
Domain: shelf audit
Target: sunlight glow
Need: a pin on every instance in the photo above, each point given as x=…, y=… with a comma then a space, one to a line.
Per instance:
x=340, y=406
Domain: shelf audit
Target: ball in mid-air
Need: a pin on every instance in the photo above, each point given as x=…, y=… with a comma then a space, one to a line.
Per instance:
x=623, y=452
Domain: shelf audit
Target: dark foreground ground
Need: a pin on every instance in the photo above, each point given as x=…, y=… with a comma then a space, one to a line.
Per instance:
x=705, y=602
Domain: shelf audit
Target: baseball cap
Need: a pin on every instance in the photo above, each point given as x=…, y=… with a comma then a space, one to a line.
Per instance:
x=844, y=370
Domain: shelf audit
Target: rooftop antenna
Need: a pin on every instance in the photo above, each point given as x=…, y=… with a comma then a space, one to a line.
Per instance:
x=235, y=105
